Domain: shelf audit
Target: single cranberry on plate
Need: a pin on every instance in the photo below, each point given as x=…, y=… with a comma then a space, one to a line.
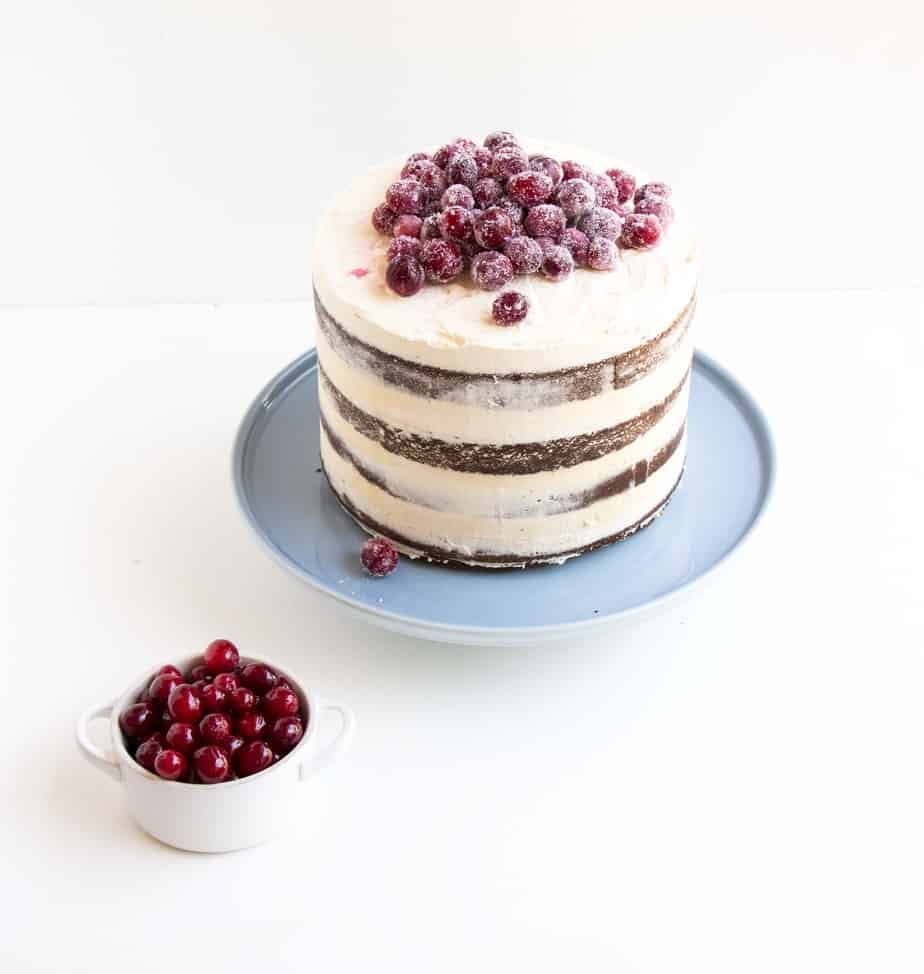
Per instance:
x=259, y=677
x=379, y=557
x=184, y=703
x=640, y=231
x=242, y=700
x=251, y=726
x=138, y=720
x=182, y=737
x=280, y=702
x=253, y=757
x=212, y=764
x=285, y=733
x=510, y=308
x=148, y=750
x=170, y=764
x=404, y=276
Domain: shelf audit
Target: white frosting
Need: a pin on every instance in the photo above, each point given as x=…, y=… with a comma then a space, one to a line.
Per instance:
x=587, y=317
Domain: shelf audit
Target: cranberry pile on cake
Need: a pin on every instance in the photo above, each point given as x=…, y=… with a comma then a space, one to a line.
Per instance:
x=226, y=718
x=529, y=424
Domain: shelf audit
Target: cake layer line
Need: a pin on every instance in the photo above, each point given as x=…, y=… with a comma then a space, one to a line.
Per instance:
x=505, y=389
x=516, y=458
x=634, y=475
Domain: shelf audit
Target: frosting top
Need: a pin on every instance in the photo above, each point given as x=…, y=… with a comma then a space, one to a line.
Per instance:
x=586, y=317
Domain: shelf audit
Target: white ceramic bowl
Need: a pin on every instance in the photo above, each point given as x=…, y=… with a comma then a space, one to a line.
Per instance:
x=224, y=817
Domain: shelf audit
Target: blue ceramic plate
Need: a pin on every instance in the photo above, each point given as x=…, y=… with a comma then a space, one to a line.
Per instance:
x=285, y=498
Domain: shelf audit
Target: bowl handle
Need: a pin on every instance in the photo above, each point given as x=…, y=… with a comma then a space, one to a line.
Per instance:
x=103, y=759
x=336, y=747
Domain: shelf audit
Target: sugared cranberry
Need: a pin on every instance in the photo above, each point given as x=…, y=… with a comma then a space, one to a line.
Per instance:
x=251, y=725
x=510, y=308
x=242, y=700
x=640, y=231
x=253, y=757
x=462, y=168
x=546, y=220
x=512, y=209
x=221, y=656
x=509, y=159
x=574, y=170
x=199, y=672
x=431, y=207
x=429, y=175
x=491, y=270
x=557, y=263
x=379, y=557
x=656, y=206
x=529, y=188
x=280, y=702
x=406, y=196
x=465, y=145
x=285, y=733
x=601, y=222
x=212, y=764
x=403, y=247
x=441, y=260
x=431, y=228
x=605, y=188
x=492, y=227
x=458, y=195
x=404, y=276
x=483, y=160
x=441, y=156
x=661, y=190
x=456, y=223
x=524, y=253
x=412, y=158
x=496, y=139
x=138, y=720
x=226, y=682
x=182, y=737
x=215, y=728
x=148, y=750
x=487, y=192
x=259, y=677
x=549, y=166
x=170, y=764
x=407, y=225
x=160, y=687
x=184, y=703
x=383, y=218
x=624, y=183
x=214, y=701
x=576, y=197
x=601, y=254
x=576, y=242
x=548, y=243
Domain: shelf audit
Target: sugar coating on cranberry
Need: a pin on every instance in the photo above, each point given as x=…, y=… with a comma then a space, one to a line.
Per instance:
x=492, y=227
x=404, y=276
x=484, y=159
x=462, y=168
x=601, y=222
x=379, y=557
x=406, y=196
x=576, y=242
x=640, y=231
x=574, y=170
x=529, y=188
x=456, y=223
x=661, y=190
x=524, y=254
x=576, y=197
x=458, y=195
x=407, y=225
x=624, y=183
x=211, y=764
x=431, y=228
x=441, y=156
x=605, y=189
x=512, y=209
x=548, y=166
x=546, y=220
x=441, y=260
x=557, y=263
x=253, y=757
x=491, y=270
x=495, y=140
x=170, y=764
x=487, y=192
x=601, y=254
x=430, y=176
x=657, y=206
x=509, y=159
x=403, y=247
x=510, y=308
x=383, y=219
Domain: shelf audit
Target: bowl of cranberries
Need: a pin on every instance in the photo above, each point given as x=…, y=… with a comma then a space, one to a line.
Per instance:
x=211, y=750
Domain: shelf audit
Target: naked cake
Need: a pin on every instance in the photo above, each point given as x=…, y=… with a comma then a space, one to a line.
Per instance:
x=504, y=351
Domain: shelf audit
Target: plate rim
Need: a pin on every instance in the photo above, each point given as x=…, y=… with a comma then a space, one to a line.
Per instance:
x=301, y=367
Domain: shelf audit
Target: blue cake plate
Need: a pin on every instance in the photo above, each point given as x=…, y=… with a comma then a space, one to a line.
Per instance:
x=286, y=500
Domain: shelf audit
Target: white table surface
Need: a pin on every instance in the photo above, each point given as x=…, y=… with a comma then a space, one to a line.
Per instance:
x=733, y=784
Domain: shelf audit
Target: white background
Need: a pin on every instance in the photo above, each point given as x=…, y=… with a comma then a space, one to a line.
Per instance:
x=733, y=784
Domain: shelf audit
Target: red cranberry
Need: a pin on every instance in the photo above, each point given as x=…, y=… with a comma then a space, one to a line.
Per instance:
x=601, y=254
x=491, y=270
x=160, y=687
x=280, y=702
x=404, y=276
x=574, y=170
x=496, y=139
x=379, y=557
x=226, y=682
x=403, y=247
x=232, y=744
x=211, y=764
x=221, y=656
x=484, y=160
x=182, y=737
x=510, y=308
x=383, y=219
x=429, y=175
x=285, y=733
x=557, y=263
x=458, y=195
x=512, y=209
x=215, y=728
x=251, y=725
x=656, y=206
x=407, y=226
x=184, y=703
x=661, y=190
x=199, y=672
x=441, y=260
x=548, y=166
x=493, y=227
x=242, y=700
x=456, y=223
x=546, y=220
x=576, y=197
x=524, y=254
x=576, y=242
x=214, y=701
x=138, y=720
x=259, y=677
x=487, y=192
x=509, y=159
x=169, y=668
x=640, y=231
x=164, y=720
x=406, y=196
x=431, y=228
x=529, y=188
x=148, y=750
x=624, y=183
x=253, y=757
x=601, y=222
x=462, y=168
x=170, y=765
